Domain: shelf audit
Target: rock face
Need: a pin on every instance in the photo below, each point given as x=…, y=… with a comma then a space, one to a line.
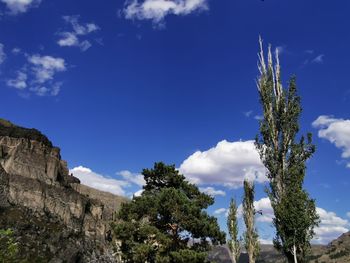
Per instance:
x=36, y=186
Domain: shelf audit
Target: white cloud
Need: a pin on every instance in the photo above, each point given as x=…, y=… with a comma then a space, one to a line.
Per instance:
x=138, y=193
x=331, y=226
x=263, y=206
x=45, y=67
x=265, y=241
x=212, y=191
x=309, y=51
x=248, y=113
x=71, y=38
x=348, y=214
x=68, y=39
x=220, y=211
x=318, y=59
x=157, y=10
x=98, y=181
x=2, y=54
x=337, y=131
x=50, y=90
x=20, y=82
x=20, y=6
x=227, y=164
x=16, y=50
x=134, y=178
x=38, y=75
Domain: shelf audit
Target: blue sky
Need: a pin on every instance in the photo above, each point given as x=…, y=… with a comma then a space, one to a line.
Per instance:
x=121, y=84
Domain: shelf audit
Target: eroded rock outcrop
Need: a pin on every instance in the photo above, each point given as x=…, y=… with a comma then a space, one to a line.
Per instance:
x=35, y=181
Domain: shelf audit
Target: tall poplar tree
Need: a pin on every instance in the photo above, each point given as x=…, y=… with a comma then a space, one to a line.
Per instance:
x=234, y=243
x=251, y=238
x=284, y=158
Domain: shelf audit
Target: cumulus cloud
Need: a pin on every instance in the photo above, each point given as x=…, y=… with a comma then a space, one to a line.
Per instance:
x=20, y=82
x=337, y=131
x=20, y=6
x=98, y=181
x=331, y=226
x=108, y=184
x=212, y=191
x=2, y=54
x=71, y=38
x=157, y=10
x=348, y=214
x=263, y=206
x=227, y=164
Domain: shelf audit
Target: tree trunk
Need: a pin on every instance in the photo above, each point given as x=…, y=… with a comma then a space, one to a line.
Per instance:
x=295, y=254
x=251, y=258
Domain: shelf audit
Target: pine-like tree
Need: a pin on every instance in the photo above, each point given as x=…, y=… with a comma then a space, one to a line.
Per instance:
x=234, y=243
x=251, y=238
x=285, y=158
x=168, y=222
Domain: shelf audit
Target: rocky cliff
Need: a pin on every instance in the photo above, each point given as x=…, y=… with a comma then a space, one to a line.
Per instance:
x=55, y=219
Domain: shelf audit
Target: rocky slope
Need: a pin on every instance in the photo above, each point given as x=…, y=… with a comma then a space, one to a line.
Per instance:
x=55, y=219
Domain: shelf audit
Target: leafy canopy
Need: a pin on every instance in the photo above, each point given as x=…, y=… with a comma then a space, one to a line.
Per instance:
x=167, y=223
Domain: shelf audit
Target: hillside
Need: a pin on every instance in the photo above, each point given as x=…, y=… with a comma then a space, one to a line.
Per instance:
x=54, y=217
x=337, y=251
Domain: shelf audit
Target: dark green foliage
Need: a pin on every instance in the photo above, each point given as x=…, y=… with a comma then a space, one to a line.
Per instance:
x=159, y=225
x=11, y=130
x=8, y=247
x=232, y=226
x=251, y=238
x=285, y=158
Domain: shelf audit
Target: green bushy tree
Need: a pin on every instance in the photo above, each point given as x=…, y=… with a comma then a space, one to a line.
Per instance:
x=168, y=222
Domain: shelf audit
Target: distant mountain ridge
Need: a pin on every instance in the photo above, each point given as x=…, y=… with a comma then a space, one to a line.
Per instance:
x=337, y=251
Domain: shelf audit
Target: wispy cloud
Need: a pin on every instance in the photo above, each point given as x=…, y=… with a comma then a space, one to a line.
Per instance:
x=72, y=38
x=318, y=59
x=337, y=131
x=248, y=113
x=212, y=191
x=220, y=211
x=20, y=6
x=309, y=51
x=38, y=75
x=2, y=53
x=134, y=178
x=20, y=82
x=157, y=10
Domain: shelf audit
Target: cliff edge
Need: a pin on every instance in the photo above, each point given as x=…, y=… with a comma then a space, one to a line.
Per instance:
x=54, y=217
